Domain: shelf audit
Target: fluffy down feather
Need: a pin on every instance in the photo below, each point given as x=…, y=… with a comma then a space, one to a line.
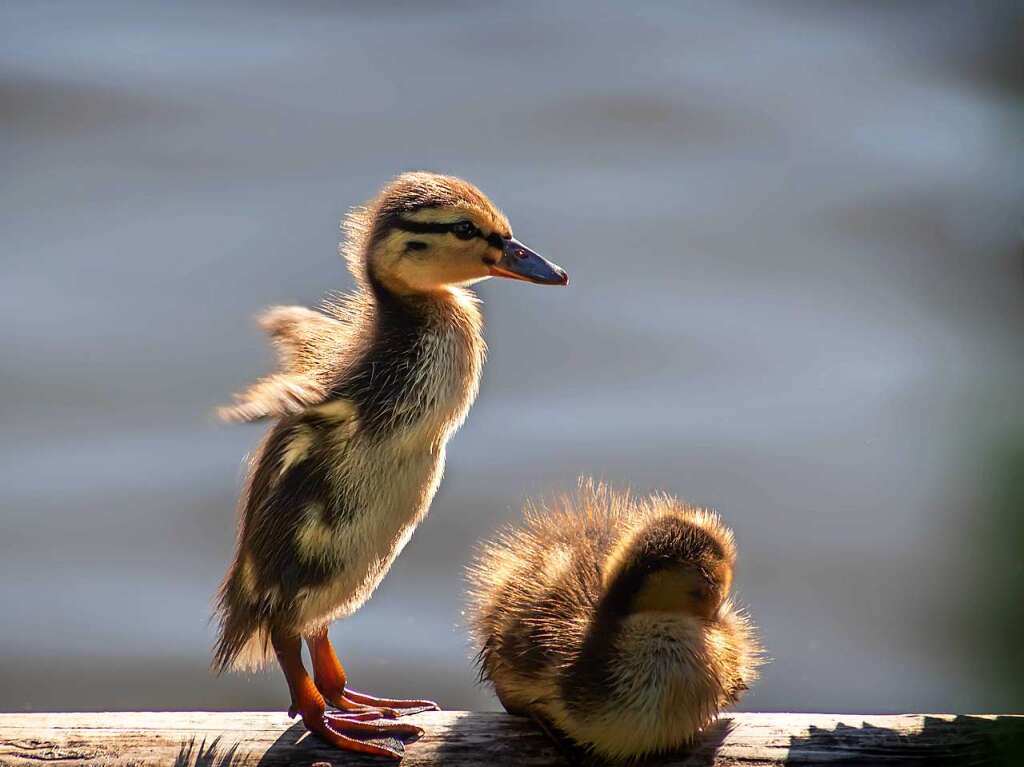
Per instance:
x=559, y=645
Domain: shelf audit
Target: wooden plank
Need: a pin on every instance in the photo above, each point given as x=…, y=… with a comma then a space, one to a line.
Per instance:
x=460, y=738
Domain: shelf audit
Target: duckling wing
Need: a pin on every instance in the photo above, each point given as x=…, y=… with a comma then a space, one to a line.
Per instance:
x=309, y=347
x=274, y=396
x=304, y=339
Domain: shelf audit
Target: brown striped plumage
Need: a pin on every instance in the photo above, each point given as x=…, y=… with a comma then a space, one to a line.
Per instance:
x=607, y=619
x=368, y=394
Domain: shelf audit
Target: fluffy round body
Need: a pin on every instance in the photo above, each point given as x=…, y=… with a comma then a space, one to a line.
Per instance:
x=575, y=627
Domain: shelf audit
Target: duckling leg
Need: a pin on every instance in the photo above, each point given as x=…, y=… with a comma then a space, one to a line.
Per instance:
x=350, y=732
x=330, y=680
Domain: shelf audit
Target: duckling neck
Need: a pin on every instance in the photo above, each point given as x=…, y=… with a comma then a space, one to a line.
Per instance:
x=413, y=315
x=421, y=362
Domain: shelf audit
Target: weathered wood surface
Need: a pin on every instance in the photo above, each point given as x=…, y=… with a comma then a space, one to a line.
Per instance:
x=459, y=739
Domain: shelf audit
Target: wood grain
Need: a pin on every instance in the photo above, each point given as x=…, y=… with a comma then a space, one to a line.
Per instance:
x=460, y=738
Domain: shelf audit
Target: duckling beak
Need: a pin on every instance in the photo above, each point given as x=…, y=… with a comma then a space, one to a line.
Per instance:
x=518, y=262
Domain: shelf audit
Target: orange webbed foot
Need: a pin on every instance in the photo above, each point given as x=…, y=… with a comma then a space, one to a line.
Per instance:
x=358, y=727
x=362, y=732
x=354, y=702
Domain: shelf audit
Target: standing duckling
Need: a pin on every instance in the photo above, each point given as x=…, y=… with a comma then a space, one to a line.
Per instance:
x=607, y=619
x=366, y=400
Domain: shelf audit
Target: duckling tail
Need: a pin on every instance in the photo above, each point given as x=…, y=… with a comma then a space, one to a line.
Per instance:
x=243, y=643
x=242, y=650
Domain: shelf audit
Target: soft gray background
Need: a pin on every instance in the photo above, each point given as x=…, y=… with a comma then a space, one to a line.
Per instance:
x=793, y=231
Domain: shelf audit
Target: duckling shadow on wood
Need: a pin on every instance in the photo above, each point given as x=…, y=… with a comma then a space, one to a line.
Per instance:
x=496, y=739
x=292, y=748
x=471, y=739
x=489, y=738
x=702, y=752
x=961, y=741
x=510, y=739
x=297, y=747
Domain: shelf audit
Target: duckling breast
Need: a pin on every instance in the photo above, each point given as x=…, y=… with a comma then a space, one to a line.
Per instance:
x=388, y=465
x=662, y=679
x=664, y=674
x=392, y=487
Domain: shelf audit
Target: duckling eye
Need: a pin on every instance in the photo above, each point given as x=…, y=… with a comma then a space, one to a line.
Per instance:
x=464, y=230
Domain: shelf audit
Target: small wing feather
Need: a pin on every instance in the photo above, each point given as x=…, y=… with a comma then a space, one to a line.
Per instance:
x=302, y=336
x=308, y=344
x=274, y=396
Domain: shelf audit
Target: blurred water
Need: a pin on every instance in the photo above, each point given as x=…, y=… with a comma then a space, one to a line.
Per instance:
x=794, y=240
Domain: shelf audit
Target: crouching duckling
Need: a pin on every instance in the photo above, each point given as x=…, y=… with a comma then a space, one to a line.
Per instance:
x=607, y=619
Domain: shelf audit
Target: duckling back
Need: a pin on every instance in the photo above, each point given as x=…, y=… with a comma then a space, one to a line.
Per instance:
x=607, y=619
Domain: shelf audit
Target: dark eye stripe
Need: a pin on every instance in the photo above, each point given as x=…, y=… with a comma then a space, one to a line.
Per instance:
x=494, y=239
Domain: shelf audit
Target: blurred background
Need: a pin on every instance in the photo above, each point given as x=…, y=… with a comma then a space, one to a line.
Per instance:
x=794, y=235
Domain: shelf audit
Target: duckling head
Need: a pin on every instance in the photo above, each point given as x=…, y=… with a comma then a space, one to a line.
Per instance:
x=426, y=232
x=678, y=564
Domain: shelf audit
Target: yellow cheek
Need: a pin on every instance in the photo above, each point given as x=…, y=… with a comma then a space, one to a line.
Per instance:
x=458, y=261
x=472, y=252
x=447, y=260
